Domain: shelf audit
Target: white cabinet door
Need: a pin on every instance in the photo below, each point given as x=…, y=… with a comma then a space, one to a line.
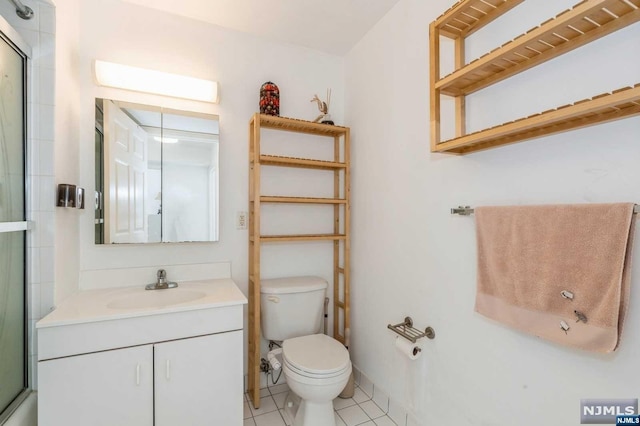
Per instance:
x=198, y=381
x=100, y=389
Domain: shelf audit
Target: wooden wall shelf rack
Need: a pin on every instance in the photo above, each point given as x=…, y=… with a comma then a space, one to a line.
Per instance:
x=584, y=23
x=340, y=136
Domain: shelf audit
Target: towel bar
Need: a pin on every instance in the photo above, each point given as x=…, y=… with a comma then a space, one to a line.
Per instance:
x=468, y=211
x=406, y=330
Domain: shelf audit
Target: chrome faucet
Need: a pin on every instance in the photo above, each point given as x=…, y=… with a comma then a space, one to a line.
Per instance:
x=161, y=283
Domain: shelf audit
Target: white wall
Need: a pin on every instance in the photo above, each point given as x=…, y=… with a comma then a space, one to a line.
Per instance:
x=411, y=257
x=120, y=32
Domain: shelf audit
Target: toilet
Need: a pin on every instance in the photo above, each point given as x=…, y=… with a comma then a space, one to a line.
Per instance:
x=316, y=366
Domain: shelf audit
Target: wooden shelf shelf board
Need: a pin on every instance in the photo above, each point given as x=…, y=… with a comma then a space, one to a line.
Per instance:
x=599, y=109
x=300, y=126
x=274, y=160
x=584, y=23
x=301, y=200
x=468, y=16
x=306, y=237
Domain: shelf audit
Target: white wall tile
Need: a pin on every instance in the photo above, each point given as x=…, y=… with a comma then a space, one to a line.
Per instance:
x=45, y=228
x=381, y=398
x=46, y=51
x=356, y=375
x=46, y=120
x=47, y=293
x=397, y=413
x=47, y=18
x=33, y=195
x=47, y=193
x=47, y=261
x=33, y=293
x=46, y=84
x=33, y=262
x=366, y=385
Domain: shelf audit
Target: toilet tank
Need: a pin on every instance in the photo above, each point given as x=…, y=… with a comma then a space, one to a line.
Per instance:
x=291, y=307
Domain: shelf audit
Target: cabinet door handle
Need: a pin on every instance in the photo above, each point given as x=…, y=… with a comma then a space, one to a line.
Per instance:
x=168, y=370
x=138, y=374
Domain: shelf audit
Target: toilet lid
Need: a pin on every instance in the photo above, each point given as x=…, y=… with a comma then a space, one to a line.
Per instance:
x=316, y=353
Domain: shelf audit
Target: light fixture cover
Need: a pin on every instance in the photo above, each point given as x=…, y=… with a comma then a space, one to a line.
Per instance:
x=157, y=82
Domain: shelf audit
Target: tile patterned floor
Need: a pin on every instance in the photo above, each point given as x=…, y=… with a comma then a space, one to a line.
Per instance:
x=359, y=410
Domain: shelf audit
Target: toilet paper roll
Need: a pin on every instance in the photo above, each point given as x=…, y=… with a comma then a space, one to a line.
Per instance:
x=409, y=349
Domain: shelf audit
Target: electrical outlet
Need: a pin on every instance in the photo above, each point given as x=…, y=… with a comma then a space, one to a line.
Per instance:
x=241, y=220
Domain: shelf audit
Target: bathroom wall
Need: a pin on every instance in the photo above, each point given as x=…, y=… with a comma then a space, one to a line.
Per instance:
x=411, y=257
x=121, y=32
x=118, y=31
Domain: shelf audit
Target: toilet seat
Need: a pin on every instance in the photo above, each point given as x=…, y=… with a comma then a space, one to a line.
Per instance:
x=316, y=356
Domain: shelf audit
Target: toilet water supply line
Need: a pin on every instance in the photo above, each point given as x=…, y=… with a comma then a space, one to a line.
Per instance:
x=271, y=357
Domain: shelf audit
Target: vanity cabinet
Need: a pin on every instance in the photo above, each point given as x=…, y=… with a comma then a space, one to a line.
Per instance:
x=195, y=382
x=101, y=389
x=179, y=363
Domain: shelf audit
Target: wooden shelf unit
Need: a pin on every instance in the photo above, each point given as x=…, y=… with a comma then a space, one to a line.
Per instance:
x=584, y=23
x=341, y=222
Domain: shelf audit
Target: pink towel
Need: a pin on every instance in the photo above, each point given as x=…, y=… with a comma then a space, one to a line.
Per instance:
x=560, y=272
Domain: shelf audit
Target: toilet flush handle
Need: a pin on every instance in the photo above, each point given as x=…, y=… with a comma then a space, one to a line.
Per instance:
x=273, y=299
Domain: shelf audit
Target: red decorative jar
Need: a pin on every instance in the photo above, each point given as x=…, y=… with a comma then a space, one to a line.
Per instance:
x=269, y=99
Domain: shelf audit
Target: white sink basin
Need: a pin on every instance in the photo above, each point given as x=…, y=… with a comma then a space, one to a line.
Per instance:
x=155, y=299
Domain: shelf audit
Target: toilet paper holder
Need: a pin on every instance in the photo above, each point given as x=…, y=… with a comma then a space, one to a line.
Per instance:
x=406, y=330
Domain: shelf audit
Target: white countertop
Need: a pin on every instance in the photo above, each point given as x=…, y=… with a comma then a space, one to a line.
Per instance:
x=98, y=305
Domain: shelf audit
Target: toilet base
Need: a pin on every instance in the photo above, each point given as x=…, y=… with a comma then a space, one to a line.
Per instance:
x=306, y=413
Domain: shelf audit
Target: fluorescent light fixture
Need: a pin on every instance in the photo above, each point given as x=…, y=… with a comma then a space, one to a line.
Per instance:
x=165, y=140
x=156, y=82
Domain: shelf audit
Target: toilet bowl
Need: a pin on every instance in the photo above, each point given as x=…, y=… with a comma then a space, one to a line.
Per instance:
x=317, y=368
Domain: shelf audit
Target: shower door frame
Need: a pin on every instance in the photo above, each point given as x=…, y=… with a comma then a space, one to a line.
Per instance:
x=10, y=36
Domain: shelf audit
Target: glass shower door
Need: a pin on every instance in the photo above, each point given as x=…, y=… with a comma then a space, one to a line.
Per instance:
x=13, y=377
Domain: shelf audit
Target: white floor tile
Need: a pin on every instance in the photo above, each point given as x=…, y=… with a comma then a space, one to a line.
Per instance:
x=286, y=418
x=359, y=396
x=369, y=423
x=353, y=415
x=340, y=403
x=384, y=421
x=270, y=419
x=248, y=422
x=276, y=389
x=372, y=409
x=339, y=421
x=264, y=392
x=267, y=405
x=246, y=411
x=279, y=399
x=412, y=421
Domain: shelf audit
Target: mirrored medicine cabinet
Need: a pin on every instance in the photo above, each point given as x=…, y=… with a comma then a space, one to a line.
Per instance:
x=156, y=174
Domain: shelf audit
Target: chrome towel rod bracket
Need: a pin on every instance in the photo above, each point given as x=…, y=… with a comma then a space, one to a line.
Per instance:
x=22, y=10
x=468, y=211
x=406, y=330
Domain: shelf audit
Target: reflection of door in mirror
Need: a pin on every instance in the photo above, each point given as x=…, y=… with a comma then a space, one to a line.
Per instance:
x=125, y=176
x=160, y=173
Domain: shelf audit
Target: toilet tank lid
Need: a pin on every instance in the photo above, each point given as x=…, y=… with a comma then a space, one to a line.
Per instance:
x=292, y=285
